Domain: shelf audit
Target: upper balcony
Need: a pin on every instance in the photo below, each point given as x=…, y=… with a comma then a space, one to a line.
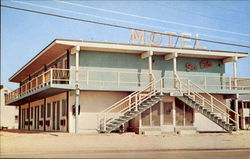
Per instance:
x=55, y=81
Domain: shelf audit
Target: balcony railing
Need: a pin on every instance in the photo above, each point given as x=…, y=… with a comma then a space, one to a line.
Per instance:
x=119, y=80
x=219, y=82
x=87, y=78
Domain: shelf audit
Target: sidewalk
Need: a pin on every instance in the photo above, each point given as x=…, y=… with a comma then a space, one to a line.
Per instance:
x=45, y=143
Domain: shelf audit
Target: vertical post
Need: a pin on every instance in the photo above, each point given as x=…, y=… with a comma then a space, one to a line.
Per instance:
x=150, y=71
x=235, y=71
x=175, y=69
x=77, y=50
x=51, y=76
x=44, y=114
x=205, y=82
x=129, y=102
x=230, y=82
x=212, y=104
x=236, y=104
x=161, y=86
x=118, y=79
x=29, y=116
x=174, y=113
x=87, y=77
x=76, y=108
x=188, y=86
x=19, y=117
x=136, y=104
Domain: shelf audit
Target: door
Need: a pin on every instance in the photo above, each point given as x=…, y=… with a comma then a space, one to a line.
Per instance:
x=58, y=115
x=167, y=110
x=36, y=117
x=54, y=116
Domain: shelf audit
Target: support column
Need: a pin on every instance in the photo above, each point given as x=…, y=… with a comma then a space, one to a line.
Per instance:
x=149, y=54
x=29, y=116
x=44, y=114
x=175, y=69
x=150, y=70
x=235, y=59
x=174, y=113
x=76, y=50
x=175, y=64
x=236, y=104
x=19, y=117
x=236, y=108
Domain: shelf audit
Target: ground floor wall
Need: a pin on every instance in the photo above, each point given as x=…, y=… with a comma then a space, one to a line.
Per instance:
x=56, y=113
x=48, y=114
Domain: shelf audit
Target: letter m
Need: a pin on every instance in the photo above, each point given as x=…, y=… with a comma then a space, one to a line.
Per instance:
x=135, y=37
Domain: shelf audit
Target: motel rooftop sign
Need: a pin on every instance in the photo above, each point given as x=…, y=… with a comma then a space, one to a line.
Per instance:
x=154, y=38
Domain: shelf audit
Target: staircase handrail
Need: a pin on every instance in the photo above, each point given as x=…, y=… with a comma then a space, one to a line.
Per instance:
x=212, y=104
x=128, y=96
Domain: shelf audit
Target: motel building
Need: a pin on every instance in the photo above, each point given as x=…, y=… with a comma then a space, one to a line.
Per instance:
x=100, y=87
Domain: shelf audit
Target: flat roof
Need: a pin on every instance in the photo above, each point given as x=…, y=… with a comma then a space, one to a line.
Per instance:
x=59, y=46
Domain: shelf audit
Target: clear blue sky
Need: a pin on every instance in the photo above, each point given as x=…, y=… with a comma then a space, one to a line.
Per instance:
x=24, y=34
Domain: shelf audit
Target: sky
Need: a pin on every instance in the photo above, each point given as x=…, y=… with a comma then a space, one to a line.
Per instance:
x=24, y=34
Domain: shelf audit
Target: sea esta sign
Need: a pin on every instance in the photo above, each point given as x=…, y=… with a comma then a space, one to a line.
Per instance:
x=154, y=38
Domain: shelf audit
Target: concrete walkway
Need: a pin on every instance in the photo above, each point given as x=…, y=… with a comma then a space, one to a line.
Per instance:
x=90, y=145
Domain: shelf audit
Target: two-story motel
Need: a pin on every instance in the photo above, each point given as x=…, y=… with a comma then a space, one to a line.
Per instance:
x=143, y=88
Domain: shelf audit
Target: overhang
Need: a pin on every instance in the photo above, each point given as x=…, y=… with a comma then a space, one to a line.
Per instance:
x=59, y=46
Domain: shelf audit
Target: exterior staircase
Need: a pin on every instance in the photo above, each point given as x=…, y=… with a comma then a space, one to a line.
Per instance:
x=129, y=107
x=206, y=104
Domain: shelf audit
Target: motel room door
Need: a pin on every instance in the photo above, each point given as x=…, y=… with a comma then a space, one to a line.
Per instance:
x=36, y=115
x=56, y=115
x=167, y=117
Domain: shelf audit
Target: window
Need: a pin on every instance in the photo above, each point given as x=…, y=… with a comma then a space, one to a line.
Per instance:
x=64, y=107
x=146, y=118
x=31, y=113
x=168, y=113
x=155, y=111
x=28, y=112
x=42, y=110
x=48, y=110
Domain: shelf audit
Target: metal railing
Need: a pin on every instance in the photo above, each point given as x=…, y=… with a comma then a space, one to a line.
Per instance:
x=208, y=101
x=130, y=102
x=87, y=78
x=52, y=76
x=219, y=82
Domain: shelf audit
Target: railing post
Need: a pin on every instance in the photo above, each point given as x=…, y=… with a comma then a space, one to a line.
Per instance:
x=205, y=82
x=161, y=86
x=188, y=86
x=230, y=82
x=129, y=102
x=87, y=77
x=212, y=104
x=37, y=82
x=203, y=101
x=136, y=104
x=118, y=79
x=51, y=76
x=43, y=79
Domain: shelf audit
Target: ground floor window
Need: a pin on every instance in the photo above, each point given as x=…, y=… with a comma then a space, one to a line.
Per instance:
x=151, y=117
x=184, y=114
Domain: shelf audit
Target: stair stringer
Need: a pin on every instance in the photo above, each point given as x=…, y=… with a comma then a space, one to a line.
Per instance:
x=208, y=114
x=132, y=114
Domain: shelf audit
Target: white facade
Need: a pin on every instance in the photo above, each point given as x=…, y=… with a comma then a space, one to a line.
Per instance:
x=8, y=114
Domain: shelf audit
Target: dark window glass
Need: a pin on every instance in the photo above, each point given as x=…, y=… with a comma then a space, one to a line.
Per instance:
x=42, y=111
x=48, y=110
x=64, y=107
